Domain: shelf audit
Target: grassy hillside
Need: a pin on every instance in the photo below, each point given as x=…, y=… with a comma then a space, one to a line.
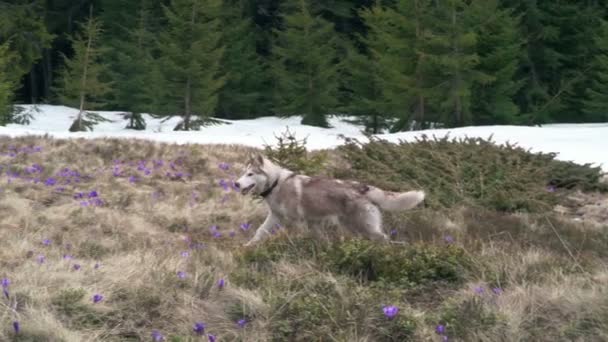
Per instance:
x=116, y=240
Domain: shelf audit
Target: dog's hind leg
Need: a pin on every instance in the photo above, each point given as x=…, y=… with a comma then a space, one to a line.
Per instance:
x=264, y=230
x=370, y=223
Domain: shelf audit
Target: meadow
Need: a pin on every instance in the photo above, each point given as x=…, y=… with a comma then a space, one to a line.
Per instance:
x=131, y=240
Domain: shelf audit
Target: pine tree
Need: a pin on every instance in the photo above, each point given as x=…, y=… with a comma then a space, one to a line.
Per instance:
x=305, y=65
x=80, y=83
x=133, y=69
x=6, y=87
x=22, y=25
x=499, y=47
x=596, y=95
x=244, y=94
x=191, y=55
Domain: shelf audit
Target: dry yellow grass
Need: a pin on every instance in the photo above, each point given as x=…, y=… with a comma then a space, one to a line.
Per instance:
x=131, y=248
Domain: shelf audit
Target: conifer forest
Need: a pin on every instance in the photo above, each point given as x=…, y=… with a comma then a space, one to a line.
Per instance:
x=393, y=65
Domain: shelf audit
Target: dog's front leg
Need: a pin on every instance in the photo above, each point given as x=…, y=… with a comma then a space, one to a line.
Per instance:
x=264, y=229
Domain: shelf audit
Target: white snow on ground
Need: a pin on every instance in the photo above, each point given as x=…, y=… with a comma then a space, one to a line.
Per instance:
x=580, y=143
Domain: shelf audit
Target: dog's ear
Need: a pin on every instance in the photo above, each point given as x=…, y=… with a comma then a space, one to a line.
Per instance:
x=260, y=159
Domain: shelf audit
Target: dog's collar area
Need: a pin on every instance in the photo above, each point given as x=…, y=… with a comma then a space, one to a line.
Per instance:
x=269, y=190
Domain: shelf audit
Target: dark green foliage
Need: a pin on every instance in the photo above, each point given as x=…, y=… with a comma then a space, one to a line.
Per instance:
x=398, y=265
x=246, y=92
x=6, y=87
x=81, y=83
x=380, y=265
x=469, y=171
x=191, y=51
x=305, y=65
x=596, y=94
x=291, y=153
x=136, y=121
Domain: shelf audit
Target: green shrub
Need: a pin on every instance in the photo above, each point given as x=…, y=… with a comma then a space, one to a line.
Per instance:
x=402, y=266
x=291, y=153
x=470, y=171
x=464, y=318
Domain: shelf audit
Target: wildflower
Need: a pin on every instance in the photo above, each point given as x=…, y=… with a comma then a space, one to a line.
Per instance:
x=211, y=338
x=224, y=166
x=479, y=290
x=551, y=188
x=181, y=275
x=440, y=329
x=132, y=179
x=41, y=259
x=96, y=266
x=157, y=336
x=50, y=181
x=199, y=328
x=448, y=239
x=390, y=311
x=393, y=232
x=46, y=242
x=221, y=283
x=97, y=298
x=76, y=267
x=224, y=185
x=241, y=322
x=16, y=327
x=185, y=254
x=232, y=233
x=5, y=282
x=93, y=194
x=497, y=290
x=217, y=235
x=245, y=226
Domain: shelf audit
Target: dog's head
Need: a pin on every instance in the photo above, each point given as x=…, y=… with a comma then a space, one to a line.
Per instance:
x=254, y=180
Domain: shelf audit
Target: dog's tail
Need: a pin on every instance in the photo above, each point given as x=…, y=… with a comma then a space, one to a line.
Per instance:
x=394, y=201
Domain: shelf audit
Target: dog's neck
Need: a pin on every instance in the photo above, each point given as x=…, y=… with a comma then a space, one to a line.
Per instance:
x=278, y=173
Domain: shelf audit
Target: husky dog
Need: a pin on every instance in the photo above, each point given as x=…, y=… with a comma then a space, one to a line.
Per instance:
x=300, y=199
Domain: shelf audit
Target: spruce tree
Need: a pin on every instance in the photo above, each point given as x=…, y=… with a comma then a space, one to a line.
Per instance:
x=134, y=67
x=595, y=103
x=81, y=82
x=305, y=65
x=499, y=47
x=6, y=86
x=244, y=94
x=191, y=54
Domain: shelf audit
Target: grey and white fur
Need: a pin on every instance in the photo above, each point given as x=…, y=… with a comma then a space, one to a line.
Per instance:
x=299, y=199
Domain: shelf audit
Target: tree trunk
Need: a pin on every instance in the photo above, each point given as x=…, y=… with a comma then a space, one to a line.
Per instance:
x=83, y=81
x=47, y=73
x=33, y=86
x=187, y=108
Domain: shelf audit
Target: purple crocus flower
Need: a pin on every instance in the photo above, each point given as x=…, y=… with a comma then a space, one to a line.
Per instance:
x=93, y=194
x=390, y=311
x=16, y=327
x=217, y=235
x=181, y=275
x=41, y=259
x=76, y=267
x=448, y=239
x=157, y=336
x=50, y=181
x=224, y=185
x=241, y=322
x=497, y=290
x=224, y=166
x=5, y=282
x=97, y=298
x=479, y=290
x=132, y=179
x=211, y=338
x=232, y=233
x=440, y=329
x=245, y=226
x=96, y=266
x=68, y=257
x=199, y=328
x=393, y=232
x=185, y=254
x=46, y=242
x=221, y=283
